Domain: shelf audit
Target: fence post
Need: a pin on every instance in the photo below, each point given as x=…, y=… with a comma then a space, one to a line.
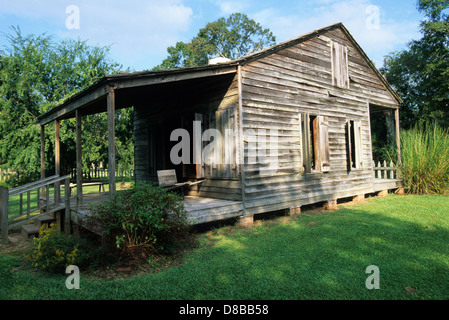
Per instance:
x=4, y=197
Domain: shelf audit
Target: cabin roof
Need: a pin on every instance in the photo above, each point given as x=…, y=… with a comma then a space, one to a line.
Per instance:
x=98, y=90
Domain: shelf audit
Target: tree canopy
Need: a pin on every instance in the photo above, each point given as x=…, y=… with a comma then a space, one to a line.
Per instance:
x=231, y=38
x=36, y=73
x=420, y=73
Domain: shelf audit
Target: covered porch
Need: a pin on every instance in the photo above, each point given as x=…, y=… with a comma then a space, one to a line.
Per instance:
x=177, y=95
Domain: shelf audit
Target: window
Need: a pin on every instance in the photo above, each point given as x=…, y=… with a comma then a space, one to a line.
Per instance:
x=315, y=143
x=354, y=144
x=340, y=70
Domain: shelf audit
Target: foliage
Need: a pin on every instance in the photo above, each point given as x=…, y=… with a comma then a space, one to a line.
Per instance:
x=36, y=74
x=144, y=219
x=54, y=251
x=425, y=159
x=230, y=38
x=420, y=73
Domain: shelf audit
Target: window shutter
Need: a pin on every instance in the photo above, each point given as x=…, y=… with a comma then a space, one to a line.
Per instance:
x=358, y=144
x=340, y=65
x=324, y=143
x=225, y=165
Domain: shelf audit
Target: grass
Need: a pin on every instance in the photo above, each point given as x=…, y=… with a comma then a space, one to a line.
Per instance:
x=425, y=159
x=316, y=255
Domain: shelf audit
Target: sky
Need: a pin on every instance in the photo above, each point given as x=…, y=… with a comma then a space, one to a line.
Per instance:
x=139, y=32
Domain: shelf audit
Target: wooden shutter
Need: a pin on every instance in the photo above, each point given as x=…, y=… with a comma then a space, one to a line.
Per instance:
x=226, y=154
x=324, y=143
x=340, y=65
x=358, y=144
x=306, y=143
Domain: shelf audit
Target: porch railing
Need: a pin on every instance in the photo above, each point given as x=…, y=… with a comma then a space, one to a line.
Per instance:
x=44, y=204
x=384, y=170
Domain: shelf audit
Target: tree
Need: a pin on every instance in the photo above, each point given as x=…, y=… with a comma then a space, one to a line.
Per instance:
x=36, y=74
x=230, y=38
x=420, y=73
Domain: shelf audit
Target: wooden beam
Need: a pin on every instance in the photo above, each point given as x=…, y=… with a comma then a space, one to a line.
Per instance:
x=73, y=104
x=398, y=135
x=4, y=201
x=111, y=140
x=241, y=146
x=42, y=156
x=57, y=191
x=79, y=160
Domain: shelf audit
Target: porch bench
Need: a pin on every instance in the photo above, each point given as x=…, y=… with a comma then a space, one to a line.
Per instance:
x=89, y=184
x=167, y=179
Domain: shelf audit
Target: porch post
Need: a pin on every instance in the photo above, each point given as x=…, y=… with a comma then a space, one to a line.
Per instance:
x=43, y=156
x=57, y=161
x=398, y=135
x=111, y=140
x=79, y=163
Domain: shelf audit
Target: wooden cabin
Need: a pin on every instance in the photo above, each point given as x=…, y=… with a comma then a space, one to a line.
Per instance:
x=294, y=122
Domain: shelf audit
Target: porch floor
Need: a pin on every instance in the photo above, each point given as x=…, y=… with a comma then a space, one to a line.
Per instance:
x=199, y=209
x=386, y=184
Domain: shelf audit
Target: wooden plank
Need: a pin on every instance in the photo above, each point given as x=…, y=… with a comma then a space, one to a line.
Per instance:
x=111, y=140
x=57, y=189
x=79, y=159
x=42, y=155
x=4, y=210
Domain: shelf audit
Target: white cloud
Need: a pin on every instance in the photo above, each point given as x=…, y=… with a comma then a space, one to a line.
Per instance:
x=376, y=42
x=135, y=29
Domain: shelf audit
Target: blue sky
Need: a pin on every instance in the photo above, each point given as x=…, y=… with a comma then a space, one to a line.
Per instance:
x=139, y=32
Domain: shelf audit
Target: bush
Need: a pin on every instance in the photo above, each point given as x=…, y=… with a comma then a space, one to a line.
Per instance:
x=425, y=159
x=144, y=219
x=54, y=251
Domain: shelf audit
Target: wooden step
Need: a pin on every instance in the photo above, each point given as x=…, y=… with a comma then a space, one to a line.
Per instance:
x=45, y=219
x=30, y=230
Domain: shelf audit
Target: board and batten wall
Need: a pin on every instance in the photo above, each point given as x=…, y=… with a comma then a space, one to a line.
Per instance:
x=276, y=90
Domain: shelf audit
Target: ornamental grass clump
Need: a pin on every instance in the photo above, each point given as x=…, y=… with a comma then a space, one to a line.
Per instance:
x=425, y=159
x=143, y=220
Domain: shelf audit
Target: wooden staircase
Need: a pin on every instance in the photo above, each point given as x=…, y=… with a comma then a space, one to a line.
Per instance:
x=32, y=229
x=30, y=218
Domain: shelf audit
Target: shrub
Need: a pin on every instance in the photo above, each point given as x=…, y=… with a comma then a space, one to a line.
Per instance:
x=144, y=219
x=425, y=159
x=54, y=251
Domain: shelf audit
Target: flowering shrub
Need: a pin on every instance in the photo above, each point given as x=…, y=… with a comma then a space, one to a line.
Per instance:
x=53, y=250
x=145, y=218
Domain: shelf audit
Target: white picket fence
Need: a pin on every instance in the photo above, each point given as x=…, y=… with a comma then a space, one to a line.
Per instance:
x=384, y=170
x=7, y=175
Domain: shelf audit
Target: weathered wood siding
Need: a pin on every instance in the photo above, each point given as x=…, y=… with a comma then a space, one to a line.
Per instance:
x=276, y=89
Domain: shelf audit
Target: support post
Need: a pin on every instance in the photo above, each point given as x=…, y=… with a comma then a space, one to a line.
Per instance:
x=398, y=135
x=111, y=140
x=42, y=158
x=57, y=191
x=4, y=197
x=68, y=212
x=79, y=159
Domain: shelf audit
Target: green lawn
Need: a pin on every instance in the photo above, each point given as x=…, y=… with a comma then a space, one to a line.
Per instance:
x=406, y=237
